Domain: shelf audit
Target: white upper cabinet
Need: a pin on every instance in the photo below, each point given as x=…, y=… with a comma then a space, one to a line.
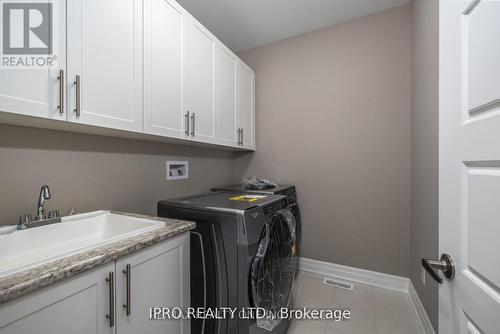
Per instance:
x=142, y=66
x=201, y=94
x=227, y=104
x=105, y=63
x=35, y=92
x=246, y=106
x=165, y=32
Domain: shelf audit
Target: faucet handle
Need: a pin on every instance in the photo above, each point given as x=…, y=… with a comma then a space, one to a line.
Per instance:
x=23, y=221
x=26, y=219
x=54, y=214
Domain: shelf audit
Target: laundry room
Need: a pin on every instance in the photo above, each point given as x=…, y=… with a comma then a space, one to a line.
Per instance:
x=249, y=167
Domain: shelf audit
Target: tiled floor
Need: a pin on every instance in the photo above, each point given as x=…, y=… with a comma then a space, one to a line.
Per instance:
x=373, y=310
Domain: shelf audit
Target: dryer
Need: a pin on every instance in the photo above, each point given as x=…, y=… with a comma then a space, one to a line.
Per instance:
x=238, y=240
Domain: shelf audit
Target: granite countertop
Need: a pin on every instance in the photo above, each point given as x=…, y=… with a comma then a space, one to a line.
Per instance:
x=29, y=280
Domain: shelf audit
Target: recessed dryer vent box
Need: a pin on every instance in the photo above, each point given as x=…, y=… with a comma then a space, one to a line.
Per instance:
x=177, y=170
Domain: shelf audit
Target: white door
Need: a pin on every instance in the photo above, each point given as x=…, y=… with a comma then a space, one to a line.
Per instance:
x=37, y=92
x=155, y=277
x=246, y=105
x=165, y=32
x=227, y=104
x=469, y=173
x=105, y=56
x=201, y=82
x=78, y=305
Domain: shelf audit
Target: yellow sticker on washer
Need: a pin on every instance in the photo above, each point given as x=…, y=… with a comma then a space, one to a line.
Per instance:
x=247, y=198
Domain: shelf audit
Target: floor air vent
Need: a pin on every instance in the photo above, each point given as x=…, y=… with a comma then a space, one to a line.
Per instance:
x=336, y=283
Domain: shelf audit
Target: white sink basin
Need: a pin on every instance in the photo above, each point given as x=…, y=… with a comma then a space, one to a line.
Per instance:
x=31, y=247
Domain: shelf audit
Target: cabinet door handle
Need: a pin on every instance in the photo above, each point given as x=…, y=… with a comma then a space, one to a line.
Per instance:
x=77, y=100
x=192, y=124
x=127, y=273
x=61, y=92
x=242, y=136
x=239, y=136
x=111, y=286
x=187, y=123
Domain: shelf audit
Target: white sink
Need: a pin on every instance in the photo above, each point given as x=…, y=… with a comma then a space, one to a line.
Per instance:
x=31, y=247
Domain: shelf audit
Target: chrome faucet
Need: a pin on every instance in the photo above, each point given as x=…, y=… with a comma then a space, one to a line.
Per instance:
x=27, y=221
x=44, y=195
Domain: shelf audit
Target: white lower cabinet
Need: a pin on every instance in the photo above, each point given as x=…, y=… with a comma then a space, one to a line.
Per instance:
x=77, y=305
x=158, y=277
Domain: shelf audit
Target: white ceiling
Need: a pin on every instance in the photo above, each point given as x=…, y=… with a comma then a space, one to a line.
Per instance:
x=245, y=24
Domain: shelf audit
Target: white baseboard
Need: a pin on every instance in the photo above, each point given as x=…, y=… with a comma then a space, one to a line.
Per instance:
x=363, y=276
x=373, y=278
x=422, y=317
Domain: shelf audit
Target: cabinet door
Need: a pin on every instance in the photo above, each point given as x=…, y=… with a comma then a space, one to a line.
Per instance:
x=105, y=51
x=201, y=82
x=36, y=92
x=227, y=107
x=159, y=277
x=246, y=104
x=77, y=305
x=165, y=24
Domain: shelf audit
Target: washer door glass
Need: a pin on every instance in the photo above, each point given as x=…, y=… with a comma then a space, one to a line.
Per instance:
x=273, y=267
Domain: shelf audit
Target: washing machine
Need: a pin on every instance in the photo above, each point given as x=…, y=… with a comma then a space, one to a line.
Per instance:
x=243, y=255
x=286, y=190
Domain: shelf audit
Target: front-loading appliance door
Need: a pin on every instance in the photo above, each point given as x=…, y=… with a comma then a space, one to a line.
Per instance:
x=274, y=267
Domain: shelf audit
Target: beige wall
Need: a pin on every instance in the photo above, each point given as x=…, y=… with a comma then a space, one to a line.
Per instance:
x=91, y=172
x=333, y=117
x=425, y=149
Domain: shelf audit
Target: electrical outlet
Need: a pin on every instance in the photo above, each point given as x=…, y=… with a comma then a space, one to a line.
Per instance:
x=423, y=273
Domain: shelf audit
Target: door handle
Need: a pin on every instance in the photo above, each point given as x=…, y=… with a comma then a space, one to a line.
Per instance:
x=446, y=265
x=111, y=285
x=127, y=304
x=242, y=136
x=61, y=92
x=77, y=100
